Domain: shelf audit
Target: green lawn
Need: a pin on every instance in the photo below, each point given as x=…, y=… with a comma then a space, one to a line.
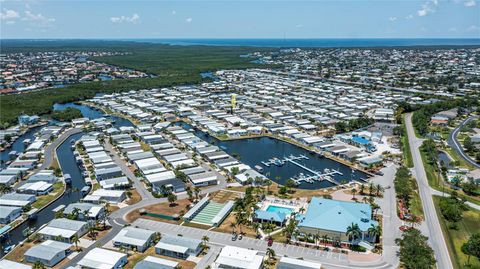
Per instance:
x=435, y=181
x=416, y=204
x=407, y=154
x=45, y=199
x=455, y=238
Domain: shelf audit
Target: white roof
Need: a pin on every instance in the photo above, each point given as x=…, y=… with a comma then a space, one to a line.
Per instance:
x=6, y=264
x=287, y=263
x=239, y=258
x=101, y=258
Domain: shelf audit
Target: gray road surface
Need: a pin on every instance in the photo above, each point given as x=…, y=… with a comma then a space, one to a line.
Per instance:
x=431, y=227
x=455, y=145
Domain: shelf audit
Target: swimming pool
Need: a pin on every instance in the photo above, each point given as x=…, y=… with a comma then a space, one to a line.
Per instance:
x=279, y=209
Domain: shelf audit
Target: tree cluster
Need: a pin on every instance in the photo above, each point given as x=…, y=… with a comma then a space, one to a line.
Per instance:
x=354, y=124
x=415, y=253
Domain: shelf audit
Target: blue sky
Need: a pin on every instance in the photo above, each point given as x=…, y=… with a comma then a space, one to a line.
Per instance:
x=239, y=19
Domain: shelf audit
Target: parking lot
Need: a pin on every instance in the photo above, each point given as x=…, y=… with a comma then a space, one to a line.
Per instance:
x=222, y=239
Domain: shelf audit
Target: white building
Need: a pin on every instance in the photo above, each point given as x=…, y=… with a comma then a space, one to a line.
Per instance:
x=238, y=258
x=99, y=258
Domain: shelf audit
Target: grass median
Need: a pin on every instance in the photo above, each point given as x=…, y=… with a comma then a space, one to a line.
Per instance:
x=456, y=238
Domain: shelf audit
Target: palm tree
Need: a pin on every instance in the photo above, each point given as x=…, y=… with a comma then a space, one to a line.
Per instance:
x=268, y=183
x=270, y=253
x=75, y=240
x=365, y=199
x=325, y=239
x=375, y=231
x=354, y=191
x=86, y=214
x=239, y=219
x=196, y=190
x=362, y=189
x=380, y=190
x=301, y=210
x=255, y=226
x=233, y=225
x=317, y=238
x=353, y=232
x=189, y=193
x=205, y=240
x=172, y=198
x=371, y=189
x=38, y=265
x=105, y=216
x=91, y=231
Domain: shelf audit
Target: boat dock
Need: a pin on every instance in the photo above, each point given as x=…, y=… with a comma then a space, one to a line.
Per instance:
x=280, y=162
x=317, y=175
x=327, y=174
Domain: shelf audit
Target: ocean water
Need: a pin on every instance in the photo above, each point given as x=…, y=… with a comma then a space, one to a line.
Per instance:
x=320, y=43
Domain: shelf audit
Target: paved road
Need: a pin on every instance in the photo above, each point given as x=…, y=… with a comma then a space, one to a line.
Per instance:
x=117, y=219
x=328, y=259
x=49, y=152
x=431, y=227
x=455, y=145
x=137, y=184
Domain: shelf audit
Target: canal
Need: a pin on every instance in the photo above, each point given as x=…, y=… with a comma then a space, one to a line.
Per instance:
x=253, y=151
x=18, y=146
x=68, y=165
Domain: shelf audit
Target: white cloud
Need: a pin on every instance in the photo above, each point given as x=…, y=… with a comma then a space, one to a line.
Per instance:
x=37, y=19
x=467, y=3
x=135, y=18
x=299, y=25
x=473, y=28
x=428, y=7
x=392, y=18
x=189, y=20
x=410, y=16
x=9, y=14
x=174, y=12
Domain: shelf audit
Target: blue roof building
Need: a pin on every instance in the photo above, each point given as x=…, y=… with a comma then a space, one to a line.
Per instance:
x=278, y=218
x=332, y=218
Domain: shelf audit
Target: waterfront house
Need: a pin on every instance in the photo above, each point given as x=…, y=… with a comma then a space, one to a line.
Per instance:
x=101, y=195
x=48, y=253
x=36, y=188
x=178, y=246
x=104, y=259
x=9, y=213
x=134, y=238
x=17, y=199
x=63, y=230
x=45, y=176
x=85, y=211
